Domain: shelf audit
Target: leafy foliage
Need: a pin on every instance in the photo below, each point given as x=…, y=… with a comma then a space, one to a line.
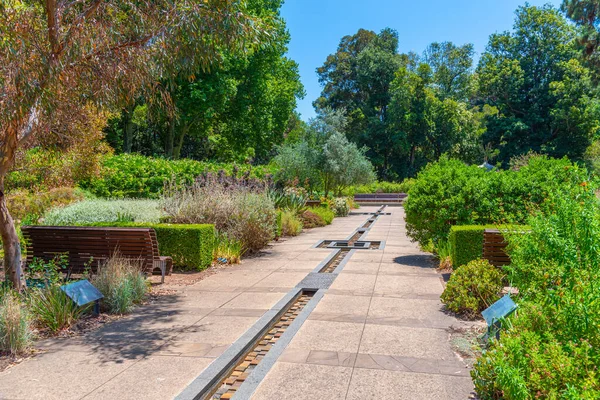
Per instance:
x=25, y=205
x=552, y=348
x=545, y=96
x=236, y=111
x=340, y=207
x=466, y=243
x=135, y=176
x=473, y=288
x=324, y=159
x=451, y=193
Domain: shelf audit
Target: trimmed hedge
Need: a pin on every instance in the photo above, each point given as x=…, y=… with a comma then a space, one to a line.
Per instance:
x=190, y=246
x=466, y=241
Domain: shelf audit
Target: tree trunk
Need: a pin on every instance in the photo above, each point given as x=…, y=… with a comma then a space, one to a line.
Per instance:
x=177, y=149
x=10, y=242
x=127, y=131
x=170, y=138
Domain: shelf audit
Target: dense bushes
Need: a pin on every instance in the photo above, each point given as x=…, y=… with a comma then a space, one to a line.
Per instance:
x=380, y=187
x=473, y=288
x=316, y=217
x=340, y=207
x=552, y=348
x=24, y=204
x=242, y=213
x=450, y=193
x=466, y=241
x=136, y=176
x=94, y=211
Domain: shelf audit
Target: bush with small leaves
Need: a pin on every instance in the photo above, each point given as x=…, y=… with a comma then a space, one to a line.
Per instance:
x=340, y=207
x=472, y=288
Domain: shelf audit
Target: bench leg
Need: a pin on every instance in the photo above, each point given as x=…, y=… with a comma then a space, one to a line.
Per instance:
x=163, y=270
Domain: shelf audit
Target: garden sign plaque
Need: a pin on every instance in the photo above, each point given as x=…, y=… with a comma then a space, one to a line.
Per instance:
x=83, y=292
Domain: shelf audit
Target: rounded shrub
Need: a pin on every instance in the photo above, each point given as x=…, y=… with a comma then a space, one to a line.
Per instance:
x=472, y=288
x=311, y=219
x=340, y=207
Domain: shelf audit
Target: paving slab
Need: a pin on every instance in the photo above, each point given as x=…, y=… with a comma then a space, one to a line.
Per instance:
x=328, y=336
x=304, y=381
x=154, y=378
x=396, y=385
x=378, y=332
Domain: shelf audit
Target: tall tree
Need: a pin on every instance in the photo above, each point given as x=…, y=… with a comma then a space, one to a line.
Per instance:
x=58, y=55
x=544, y=95
x=451, y=67
x=239, y=109
x=357, y=79
x=429, y=125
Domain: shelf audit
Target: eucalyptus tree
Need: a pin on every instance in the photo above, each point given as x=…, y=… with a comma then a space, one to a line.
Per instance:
x=57, y=56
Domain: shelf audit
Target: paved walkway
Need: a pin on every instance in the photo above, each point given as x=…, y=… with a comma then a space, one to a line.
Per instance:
x=378, y=332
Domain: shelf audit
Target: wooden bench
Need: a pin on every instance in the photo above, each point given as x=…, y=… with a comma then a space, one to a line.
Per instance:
x=380, y=198
x=494, y=248
x=90, y=247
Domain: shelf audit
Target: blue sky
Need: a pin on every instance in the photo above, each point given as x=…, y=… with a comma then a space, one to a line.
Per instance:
x=316, y=27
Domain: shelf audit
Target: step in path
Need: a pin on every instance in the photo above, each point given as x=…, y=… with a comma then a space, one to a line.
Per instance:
x=287, y=325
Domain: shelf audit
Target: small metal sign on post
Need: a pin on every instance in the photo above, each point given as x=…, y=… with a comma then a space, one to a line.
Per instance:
x=83, y=292
x=497, y=312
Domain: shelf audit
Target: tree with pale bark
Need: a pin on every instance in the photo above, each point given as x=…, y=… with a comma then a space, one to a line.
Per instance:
x=58, y=57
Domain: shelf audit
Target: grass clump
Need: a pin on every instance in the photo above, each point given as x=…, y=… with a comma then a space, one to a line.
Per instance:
x=325, y=213
x=122, y=283
x=15, y=324
x=53, y=309
x=290, y=224
x=473, y=288
x=227, y=249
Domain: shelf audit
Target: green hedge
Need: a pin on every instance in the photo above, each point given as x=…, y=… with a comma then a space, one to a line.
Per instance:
x=136, y=176
x=466, y=241
x=190, y=246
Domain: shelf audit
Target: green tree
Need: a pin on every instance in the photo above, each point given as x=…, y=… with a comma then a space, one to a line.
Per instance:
x=357, y=79
x=429, y=126
x=56, y=57
x=237, y=110
x=451, y=67
x=544, y=95
x=324, y=159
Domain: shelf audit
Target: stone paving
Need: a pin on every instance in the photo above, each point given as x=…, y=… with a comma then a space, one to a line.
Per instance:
x=379, y=332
